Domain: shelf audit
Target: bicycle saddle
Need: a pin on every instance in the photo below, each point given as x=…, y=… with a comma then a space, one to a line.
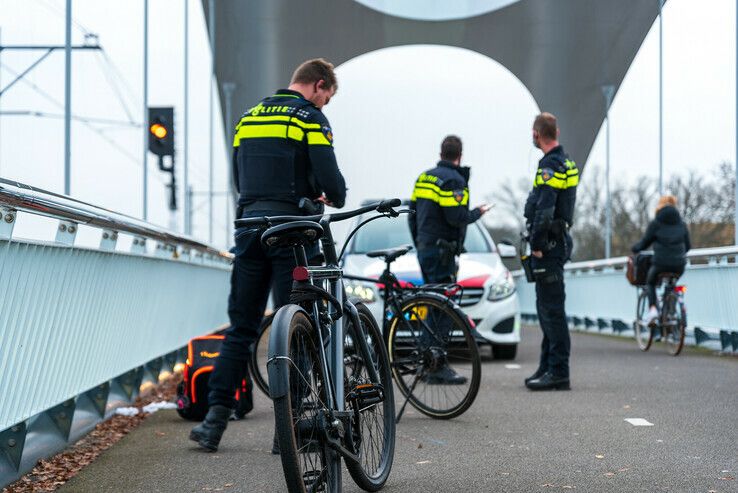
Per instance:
x=390, y=254
x=292, y=234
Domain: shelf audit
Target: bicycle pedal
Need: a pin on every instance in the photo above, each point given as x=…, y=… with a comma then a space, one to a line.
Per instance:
x=367, y=394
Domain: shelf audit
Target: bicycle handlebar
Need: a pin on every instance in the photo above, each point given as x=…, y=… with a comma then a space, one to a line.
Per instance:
x=385, y=207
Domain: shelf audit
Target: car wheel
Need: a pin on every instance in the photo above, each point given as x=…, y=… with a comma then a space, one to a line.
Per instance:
x=504, y=351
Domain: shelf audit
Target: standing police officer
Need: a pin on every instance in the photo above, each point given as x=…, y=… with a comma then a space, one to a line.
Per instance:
x=282, y=153
x=549, y=212
x=441, y=203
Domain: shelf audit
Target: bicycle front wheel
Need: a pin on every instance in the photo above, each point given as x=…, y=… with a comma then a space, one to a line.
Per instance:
x=434, y=357
x=643, y=333
x=308, y=462
x=372, y=434
x=674, y=322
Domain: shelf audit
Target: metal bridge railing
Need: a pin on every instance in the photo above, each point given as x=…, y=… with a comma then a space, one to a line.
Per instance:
x=598, y=297
x=82, y=328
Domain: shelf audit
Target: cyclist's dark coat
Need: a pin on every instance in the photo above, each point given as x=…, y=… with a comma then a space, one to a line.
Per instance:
x=669, y=236
x=441, y=201
x=283, y=151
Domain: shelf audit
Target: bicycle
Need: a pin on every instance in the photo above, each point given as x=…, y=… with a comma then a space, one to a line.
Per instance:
x=411, y=327
x=671, y=324
x=432, y=350
x=328, y=371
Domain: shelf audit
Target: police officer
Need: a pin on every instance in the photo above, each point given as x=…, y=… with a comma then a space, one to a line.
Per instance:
x=440, y=200
x=282, y=153
x=549, y=212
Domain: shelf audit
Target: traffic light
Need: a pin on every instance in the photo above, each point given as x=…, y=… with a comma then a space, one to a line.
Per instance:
x=161, y=131
x=161, y=143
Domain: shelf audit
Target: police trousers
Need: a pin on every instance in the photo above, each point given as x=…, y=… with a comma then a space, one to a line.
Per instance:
x=437, y=264
x=550, y=298
x=256, y=270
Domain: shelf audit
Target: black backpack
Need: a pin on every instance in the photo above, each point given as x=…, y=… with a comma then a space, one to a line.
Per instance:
x=192, y=391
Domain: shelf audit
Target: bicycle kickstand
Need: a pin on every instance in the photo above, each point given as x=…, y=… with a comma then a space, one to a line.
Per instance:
x=407, y=399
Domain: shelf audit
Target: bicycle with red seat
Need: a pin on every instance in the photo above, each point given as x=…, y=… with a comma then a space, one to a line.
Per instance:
x=670, y=326
x=328, y=370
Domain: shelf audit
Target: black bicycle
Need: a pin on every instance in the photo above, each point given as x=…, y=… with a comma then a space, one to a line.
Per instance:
x=329, y=374
x=432, y=350
x=671, y=324
x=433, y=354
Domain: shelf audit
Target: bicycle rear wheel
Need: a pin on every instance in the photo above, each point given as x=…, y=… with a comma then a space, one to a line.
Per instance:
x=372, y=430
x=674, y=322
x=300, y=415
x=643, y=333
x=258, y=359
x=434, y=357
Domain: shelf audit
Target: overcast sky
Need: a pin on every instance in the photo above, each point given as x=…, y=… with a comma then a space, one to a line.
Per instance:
x=450, y=91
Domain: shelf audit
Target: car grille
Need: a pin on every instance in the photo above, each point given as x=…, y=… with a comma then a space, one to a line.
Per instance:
x=471, y=297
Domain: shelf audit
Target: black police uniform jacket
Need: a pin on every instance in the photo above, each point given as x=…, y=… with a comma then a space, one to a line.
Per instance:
x=549, y=210
x=441, y=203
x=282, y=152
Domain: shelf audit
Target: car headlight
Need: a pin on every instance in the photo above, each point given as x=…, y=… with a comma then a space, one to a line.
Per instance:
x=365, y=292
x=501, y=287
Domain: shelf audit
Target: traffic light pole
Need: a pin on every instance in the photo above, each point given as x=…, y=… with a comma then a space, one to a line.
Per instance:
x=145, y=110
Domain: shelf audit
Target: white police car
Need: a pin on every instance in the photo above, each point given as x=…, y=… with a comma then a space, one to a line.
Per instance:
x=489, y=297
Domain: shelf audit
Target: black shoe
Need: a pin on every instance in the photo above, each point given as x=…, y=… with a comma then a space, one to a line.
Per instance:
x=549, y=382
x=275, y=444
x=444, y=376
x=538, y=374
x=208, y=433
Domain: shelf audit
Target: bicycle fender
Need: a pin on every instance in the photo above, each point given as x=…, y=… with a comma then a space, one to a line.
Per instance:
x=278, y=365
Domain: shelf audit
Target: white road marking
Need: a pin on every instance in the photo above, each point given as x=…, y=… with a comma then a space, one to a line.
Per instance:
x=513, y=367
x=638, y=422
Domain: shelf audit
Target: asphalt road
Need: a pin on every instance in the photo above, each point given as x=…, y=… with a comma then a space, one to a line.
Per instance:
x=511, y=440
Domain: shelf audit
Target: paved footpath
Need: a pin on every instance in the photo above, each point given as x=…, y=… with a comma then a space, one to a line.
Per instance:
x=511, y=440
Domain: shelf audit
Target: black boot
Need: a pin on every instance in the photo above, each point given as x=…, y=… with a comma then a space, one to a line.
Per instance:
x=549, y=381
x=538, y=374
x=208, y=433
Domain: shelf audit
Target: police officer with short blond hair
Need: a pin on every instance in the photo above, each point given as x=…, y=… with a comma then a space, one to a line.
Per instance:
x=549, y=212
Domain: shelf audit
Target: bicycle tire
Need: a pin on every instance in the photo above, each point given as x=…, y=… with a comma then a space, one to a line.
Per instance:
x=258, y=357
x=416, y=352
x=372, y=472
x=306, y=459
x=643, y=334
x=674, y=323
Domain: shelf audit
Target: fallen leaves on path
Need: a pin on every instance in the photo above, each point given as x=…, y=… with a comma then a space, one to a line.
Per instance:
x=50, y=474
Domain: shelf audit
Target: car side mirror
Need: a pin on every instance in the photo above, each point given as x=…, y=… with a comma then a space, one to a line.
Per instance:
x=507, y=251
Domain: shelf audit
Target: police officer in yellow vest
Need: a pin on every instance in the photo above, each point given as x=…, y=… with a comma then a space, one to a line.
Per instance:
x=282, y=155
x=549, y=212
x=441, y=203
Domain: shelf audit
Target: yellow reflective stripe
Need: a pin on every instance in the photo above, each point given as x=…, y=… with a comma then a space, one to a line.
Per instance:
x=552, y=182
x=572, y=181
x=443, y=198
x=435, y=188
x=267, y=131
x=278, y=118
x=317, y=138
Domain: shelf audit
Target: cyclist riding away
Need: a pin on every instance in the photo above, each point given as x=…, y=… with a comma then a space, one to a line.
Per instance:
x=670, y=239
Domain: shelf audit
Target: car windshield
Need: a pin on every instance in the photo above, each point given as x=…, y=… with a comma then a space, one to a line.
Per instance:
x=382, y=234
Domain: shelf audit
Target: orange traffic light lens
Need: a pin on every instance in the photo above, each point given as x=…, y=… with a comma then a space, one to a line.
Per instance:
x=159, y=131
